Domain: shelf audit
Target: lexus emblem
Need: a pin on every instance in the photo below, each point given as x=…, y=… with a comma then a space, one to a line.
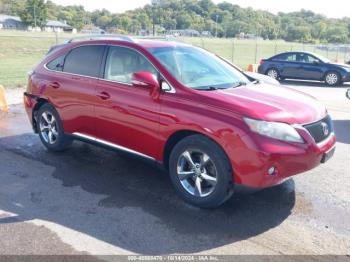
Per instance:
x=325, y=129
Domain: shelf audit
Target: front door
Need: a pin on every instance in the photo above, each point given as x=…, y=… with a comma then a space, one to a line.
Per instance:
x=310, y=67
x=127, y=116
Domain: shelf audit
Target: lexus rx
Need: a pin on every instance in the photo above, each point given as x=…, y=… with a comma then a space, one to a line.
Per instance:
x=211, y=126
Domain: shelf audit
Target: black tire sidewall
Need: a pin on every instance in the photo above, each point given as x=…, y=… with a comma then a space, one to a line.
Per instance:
x=62, y=141
x=224, y=186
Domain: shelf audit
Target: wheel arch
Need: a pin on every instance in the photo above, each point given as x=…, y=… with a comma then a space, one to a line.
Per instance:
x=331, y=70
x=40, y=102
x=177, y=136
x=273, y=68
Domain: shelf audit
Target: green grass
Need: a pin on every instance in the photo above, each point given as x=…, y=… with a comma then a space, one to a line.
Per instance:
x=21, y=51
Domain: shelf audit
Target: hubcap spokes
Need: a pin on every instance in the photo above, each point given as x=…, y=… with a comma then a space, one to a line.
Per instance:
x=48, y=128
x=272, y=73
x=332, y=79
x=197, y=173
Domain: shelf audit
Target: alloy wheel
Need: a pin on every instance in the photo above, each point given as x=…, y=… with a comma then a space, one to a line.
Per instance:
x=272, y=73
x=332, y=78
x=48, y=128
x=197, y=173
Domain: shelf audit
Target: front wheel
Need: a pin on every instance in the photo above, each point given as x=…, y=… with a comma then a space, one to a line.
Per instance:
x=50, y=129
x=332, y=79
x=201, y=172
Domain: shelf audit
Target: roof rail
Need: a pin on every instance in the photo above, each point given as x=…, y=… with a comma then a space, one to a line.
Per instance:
x=100, y=36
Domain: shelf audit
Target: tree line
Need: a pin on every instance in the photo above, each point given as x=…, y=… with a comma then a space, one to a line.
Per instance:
x=222, y=20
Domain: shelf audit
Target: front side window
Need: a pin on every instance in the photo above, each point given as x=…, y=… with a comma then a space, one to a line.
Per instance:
x=122, y=62
x=197, y=68
x=84, y=60
x=305, y=58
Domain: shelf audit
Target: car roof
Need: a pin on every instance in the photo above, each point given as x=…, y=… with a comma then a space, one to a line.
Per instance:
x=118, y=39
x=296, y=52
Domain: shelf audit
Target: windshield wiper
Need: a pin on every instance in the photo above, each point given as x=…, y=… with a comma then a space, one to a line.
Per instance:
x=239, y=84
x=208, y=88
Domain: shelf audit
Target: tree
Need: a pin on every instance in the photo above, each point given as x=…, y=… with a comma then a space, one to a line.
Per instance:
x=34, y=13
x=201, y=15
x=11, y=7
x=104, y=21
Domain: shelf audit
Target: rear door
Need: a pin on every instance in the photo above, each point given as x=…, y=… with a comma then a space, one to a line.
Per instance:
x=287, y=65
x=73, y=85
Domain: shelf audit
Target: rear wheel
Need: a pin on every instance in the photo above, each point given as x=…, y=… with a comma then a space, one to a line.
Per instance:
x=201, y=172
x=50, y=129
x=273, y=73
x=332, y=79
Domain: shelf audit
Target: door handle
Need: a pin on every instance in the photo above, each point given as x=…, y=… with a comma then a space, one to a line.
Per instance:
x=104, y=95
x=55, y=85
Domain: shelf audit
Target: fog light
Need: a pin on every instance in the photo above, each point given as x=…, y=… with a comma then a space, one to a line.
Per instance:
x=272, y=171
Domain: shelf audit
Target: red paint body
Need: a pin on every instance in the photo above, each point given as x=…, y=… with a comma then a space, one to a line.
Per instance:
x=133, y=118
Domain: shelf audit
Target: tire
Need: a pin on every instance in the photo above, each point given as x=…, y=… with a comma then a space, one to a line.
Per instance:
x=273, y=73
x=50, y=129
x=209, y=163
x=332, y=79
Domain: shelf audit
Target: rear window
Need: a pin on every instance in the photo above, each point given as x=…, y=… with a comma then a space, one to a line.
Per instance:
x=84, y=60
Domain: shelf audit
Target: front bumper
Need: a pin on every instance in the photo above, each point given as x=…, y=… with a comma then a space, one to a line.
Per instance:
x=346, y=77
x=259, y=154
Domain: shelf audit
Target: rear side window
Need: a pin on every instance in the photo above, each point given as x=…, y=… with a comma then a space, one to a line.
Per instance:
x=56, y=64
x=84, y=60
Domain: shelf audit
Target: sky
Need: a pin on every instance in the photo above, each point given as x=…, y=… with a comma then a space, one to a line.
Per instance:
x=336, y=9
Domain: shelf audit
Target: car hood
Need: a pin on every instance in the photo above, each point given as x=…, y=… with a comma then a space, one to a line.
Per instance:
x=263, y=78
x=344, y=66
x=270, y=103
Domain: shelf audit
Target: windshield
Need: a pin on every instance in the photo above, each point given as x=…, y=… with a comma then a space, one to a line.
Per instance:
x=322, y=58
x=198, y=69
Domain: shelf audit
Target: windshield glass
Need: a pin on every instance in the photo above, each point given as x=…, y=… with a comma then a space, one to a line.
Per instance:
x=322, y=58
x=198, y=69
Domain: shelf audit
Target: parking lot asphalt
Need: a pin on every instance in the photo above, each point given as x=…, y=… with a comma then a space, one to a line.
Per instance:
x=89, y=200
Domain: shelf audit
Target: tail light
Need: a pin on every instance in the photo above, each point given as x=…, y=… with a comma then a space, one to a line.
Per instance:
x=261, y=62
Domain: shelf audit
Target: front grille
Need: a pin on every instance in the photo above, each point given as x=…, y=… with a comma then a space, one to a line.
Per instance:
x=320, y=130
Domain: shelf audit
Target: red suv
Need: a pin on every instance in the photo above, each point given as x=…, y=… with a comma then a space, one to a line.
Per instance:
x=212, y=127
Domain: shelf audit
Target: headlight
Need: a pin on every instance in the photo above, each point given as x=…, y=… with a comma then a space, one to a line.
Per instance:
x=275, y=130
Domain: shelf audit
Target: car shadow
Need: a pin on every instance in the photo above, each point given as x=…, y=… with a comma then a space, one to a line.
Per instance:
x=342, y=130
x=129, y=203
x=311, y=83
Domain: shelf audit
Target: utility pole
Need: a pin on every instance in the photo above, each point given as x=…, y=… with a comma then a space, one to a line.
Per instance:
x=216, y=26
x=155, y=4
x=154, y=18
x=34, y=7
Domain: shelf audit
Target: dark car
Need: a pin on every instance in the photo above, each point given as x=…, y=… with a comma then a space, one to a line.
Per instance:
x=305, y=66
x=212, y=127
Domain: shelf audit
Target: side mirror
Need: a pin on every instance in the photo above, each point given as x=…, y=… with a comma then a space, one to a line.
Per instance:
x=146, y=80
x=348, y=93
